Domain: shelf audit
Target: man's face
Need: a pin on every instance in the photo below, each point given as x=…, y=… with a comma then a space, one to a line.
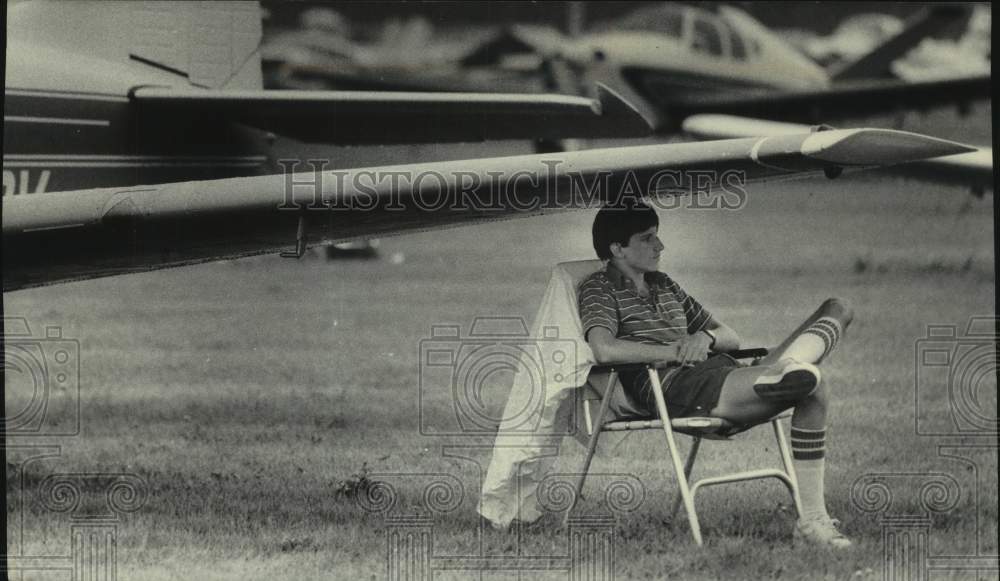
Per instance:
x=643, y=251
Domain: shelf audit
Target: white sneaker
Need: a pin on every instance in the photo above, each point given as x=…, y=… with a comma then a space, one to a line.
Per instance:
x=821, y=531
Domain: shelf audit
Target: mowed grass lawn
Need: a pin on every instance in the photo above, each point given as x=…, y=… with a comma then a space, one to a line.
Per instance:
x=245, y=393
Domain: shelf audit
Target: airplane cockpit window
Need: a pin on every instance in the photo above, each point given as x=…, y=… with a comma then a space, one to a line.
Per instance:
x=706, y=37
x=738, y=47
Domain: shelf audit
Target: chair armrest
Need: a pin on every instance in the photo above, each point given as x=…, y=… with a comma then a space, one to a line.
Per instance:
x=752, y=353
x=621, y=367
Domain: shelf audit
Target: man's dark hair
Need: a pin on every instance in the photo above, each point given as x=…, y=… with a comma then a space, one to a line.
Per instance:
x=618, y=222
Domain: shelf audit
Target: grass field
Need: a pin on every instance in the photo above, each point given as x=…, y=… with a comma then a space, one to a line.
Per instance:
x=245, y=394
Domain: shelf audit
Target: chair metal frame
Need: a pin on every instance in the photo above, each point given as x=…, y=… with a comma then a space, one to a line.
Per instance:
x=696, y=427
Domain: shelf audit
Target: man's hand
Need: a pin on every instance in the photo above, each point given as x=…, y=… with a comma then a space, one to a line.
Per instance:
x=693, y=348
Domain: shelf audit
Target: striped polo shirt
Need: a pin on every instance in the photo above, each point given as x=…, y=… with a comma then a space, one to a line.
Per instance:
x=610, y=299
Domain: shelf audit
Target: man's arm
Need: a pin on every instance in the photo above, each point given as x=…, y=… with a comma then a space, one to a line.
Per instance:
x=608, y=349
x=694, y=348
x=719, y=338
x=726, y=339
x=705, y=332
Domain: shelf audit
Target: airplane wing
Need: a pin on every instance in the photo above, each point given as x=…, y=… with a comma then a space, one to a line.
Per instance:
x=83, y=234
x=973, y=169
x=363, y=117
x=847, y=99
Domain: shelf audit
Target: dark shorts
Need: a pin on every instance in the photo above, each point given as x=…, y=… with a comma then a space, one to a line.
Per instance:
x=689, y=391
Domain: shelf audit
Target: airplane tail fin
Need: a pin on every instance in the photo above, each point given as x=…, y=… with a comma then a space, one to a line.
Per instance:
x=204, y=44
x=923, y=24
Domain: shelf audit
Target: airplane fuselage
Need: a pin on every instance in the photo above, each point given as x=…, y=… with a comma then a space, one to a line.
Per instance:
x=69, y=122
x=61, y=140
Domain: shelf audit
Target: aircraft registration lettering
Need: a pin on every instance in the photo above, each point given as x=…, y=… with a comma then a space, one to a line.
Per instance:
x=19, y=183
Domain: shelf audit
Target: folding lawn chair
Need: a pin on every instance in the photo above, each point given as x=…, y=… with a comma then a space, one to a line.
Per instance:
x=696, y=427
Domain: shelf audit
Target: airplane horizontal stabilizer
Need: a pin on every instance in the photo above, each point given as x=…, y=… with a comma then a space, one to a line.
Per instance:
x=973, y=169
x=372, y=117
x=101, y=232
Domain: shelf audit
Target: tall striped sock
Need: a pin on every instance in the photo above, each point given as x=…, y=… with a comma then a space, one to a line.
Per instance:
x=816, y=342
x=808, y=459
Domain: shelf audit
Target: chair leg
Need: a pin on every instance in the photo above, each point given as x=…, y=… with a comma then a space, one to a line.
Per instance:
x=675, y=457
x=595, y=434
x=688, y=468
x=786, y=460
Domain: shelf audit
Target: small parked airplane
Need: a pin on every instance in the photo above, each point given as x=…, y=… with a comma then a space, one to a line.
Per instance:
x=676, y=60
x=146, y=93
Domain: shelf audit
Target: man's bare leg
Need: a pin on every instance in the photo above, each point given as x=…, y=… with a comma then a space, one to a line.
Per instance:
x=754, y=394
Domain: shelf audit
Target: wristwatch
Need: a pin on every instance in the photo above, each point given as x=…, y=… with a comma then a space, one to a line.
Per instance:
x=711, y=336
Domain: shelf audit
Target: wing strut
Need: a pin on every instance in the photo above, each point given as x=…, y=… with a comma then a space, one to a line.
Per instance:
x=300, y=239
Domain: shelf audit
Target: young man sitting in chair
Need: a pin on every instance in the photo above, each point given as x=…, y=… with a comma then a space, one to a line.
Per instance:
x=632, y=312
